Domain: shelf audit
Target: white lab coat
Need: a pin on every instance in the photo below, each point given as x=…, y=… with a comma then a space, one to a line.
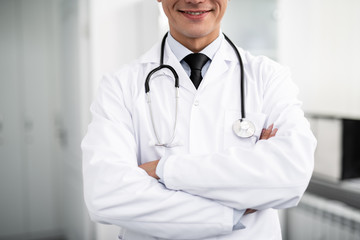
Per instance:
x=209, y=171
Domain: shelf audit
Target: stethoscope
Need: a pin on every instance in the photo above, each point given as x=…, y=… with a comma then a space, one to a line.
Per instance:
x=242, y=127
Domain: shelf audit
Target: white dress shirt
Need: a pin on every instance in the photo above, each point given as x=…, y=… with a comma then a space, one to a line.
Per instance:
x=180, y=53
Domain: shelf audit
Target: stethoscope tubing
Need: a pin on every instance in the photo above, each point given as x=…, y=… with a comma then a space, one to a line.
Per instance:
x=242, y=73
x=164, y=66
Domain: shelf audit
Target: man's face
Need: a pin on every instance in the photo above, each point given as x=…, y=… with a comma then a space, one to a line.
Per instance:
x=192, y=19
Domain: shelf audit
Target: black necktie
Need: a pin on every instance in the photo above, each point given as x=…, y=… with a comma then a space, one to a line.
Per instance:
x=196, y=62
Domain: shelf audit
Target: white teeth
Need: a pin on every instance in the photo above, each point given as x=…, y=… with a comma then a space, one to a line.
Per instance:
x=194, y=13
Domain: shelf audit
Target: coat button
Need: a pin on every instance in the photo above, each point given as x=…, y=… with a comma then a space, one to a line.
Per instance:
x=196, y=103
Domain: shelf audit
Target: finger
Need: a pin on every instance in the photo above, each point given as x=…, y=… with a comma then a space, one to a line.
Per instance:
x=262, y=136
x=273, y=133
x=266, y=134
x=262, y=133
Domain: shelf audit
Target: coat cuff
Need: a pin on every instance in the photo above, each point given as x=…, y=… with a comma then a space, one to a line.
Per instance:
x=160, y=169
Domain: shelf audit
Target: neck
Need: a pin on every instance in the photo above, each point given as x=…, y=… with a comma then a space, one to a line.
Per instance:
x=195, y=44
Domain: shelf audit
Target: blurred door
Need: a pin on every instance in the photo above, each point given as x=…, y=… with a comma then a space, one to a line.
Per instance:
x=12, y=170
x=76, y=87
x=28, y=70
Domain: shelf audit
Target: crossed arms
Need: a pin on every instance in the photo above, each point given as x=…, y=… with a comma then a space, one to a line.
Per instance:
x=118, y=192
x=150, y=167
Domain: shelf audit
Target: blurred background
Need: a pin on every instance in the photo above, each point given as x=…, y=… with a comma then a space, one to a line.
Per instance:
x=53, y=53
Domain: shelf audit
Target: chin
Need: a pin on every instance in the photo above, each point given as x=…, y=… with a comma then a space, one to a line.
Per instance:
x=199, y=33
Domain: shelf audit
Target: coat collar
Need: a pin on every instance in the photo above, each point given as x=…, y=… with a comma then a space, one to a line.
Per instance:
x=153, y=55
x=223, y=59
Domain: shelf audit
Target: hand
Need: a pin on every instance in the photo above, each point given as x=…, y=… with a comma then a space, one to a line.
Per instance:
x=249, y=211
x=150, y=168
x=268, y=133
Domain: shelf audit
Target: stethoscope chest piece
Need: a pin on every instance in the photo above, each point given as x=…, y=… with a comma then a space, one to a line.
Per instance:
x=244, y=128
x=241, y=127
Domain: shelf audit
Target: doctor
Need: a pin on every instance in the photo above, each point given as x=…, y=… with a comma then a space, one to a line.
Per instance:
x=172, y=167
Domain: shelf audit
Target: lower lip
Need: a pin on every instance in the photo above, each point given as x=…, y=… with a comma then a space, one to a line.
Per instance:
x=195, y=17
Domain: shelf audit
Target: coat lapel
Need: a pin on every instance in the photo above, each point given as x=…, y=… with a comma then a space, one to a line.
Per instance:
x=184, y=80
x=220, y=64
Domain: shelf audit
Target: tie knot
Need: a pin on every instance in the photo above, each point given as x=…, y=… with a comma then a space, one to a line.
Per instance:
x=196, y=61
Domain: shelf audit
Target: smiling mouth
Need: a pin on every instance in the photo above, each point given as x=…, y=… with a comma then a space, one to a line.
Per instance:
x=195, y=13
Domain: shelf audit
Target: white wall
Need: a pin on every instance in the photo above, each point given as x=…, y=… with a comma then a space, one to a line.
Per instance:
x=120, y=31
x=319, y=40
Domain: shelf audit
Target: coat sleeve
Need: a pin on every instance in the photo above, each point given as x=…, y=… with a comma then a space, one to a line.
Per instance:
x=272, y=173
x=118, y=192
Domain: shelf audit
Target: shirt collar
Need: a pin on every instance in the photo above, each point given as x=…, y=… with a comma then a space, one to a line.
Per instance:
x=181, y=51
